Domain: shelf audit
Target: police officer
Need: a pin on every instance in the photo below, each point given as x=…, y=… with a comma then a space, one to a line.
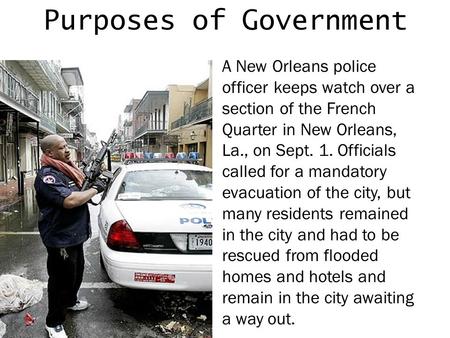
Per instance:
x=64, y=225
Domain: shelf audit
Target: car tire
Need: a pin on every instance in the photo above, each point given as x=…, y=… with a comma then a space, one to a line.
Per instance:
x=102, y=263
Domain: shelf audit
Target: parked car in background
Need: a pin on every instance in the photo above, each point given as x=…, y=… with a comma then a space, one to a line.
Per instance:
x=155, y=226
x=115, y=157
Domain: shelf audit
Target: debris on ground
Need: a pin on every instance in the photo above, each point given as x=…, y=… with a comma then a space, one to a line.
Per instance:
x=202, y=317
x=2, y=328
x=29, y=319
x=17, y=293
x=175, y=327
x=184, y=316
x=190, y=299
x=170, y=325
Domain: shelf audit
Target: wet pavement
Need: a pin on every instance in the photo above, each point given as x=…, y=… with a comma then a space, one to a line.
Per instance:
x=114, y=311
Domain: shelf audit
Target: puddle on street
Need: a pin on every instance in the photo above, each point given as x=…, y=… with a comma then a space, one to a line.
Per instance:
x=21, y=216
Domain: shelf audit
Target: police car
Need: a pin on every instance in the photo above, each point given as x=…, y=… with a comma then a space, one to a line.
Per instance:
x=155, y=226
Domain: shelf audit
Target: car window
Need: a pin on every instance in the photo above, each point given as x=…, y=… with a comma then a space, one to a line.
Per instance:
x=115, y=174
x=166, y=184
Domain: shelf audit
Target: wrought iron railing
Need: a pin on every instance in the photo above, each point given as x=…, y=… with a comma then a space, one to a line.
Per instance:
x=48, y=123
x=197, y=113
x=16, y=90
x=160, y=127
x=61, y=120
x=72, y=105
x=53, y=74
x=140, y=130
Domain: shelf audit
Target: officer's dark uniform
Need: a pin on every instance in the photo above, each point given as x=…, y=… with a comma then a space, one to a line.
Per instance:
x=63, y=232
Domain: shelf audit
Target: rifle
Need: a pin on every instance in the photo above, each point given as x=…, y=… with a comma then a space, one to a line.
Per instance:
x=95, y=167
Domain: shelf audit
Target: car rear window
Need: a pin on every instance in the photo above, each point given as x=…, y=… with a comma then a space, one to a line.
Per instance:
x=166, y=184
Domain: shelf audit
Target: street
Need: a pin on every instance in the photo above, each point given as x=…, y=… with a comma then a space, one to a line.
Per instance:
x=114, y=311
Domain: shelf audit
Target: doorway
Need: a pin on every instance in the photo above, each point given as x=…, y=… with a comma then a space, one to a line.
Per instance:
x=11, y=161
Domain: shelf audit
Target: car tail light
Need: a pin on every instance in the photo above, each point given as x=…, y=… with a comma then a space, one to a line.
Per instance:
x=122, y=238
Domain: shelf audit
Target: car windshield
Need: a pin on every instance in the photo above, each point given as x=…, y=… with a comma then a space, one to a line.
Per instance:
x=166, y=184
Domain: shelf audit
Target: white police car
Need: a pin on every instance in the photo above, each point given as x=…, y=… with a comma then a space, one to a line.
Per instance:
x=155, y=227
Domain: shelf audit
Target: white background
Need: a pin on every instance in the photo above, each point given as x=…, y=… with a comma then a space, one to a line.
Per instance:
x=419, y=263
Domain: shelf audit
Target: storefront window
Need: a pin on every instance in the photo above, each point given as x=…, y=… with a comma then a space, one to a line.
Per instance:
x=192, y=147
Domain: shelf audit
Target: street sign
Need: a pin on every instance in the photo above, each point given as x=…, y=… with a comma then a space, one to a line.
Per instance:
x=66, y=135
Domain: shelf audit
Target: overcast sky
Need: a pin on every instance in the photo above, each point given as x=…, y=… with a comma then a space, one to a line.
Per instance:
x=110, y=85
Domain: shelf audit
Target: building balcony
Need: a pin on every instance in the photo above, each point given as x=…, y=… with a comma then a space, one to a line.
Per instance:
x=73, y=105
x=62, y=123
x=47, y=75
x=48, y=124
x=153, y=128
x=77, y=128
x=16, y=95
x=15, y=90
x=72, y=76
x=194, y=115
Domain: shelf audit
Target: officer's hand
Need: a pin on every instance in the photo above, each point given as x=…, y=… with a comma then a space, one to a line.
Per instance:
x=99, y=185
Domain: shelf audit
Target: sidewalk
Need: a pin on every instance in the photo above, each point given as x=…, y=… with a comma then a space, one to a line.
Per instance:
x=9, y=192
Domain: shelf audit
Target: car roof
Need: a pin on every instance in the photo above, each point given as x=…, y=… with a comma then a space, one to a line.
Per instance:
x=163, y=165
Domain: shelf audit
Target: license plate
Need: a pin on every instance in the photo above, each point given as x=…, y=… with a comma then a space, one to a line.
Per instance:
x=200, y=242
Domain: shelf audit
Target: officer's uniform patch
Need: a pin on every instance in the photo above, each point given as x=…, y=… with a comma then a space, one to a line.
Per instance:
x=49, y=179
